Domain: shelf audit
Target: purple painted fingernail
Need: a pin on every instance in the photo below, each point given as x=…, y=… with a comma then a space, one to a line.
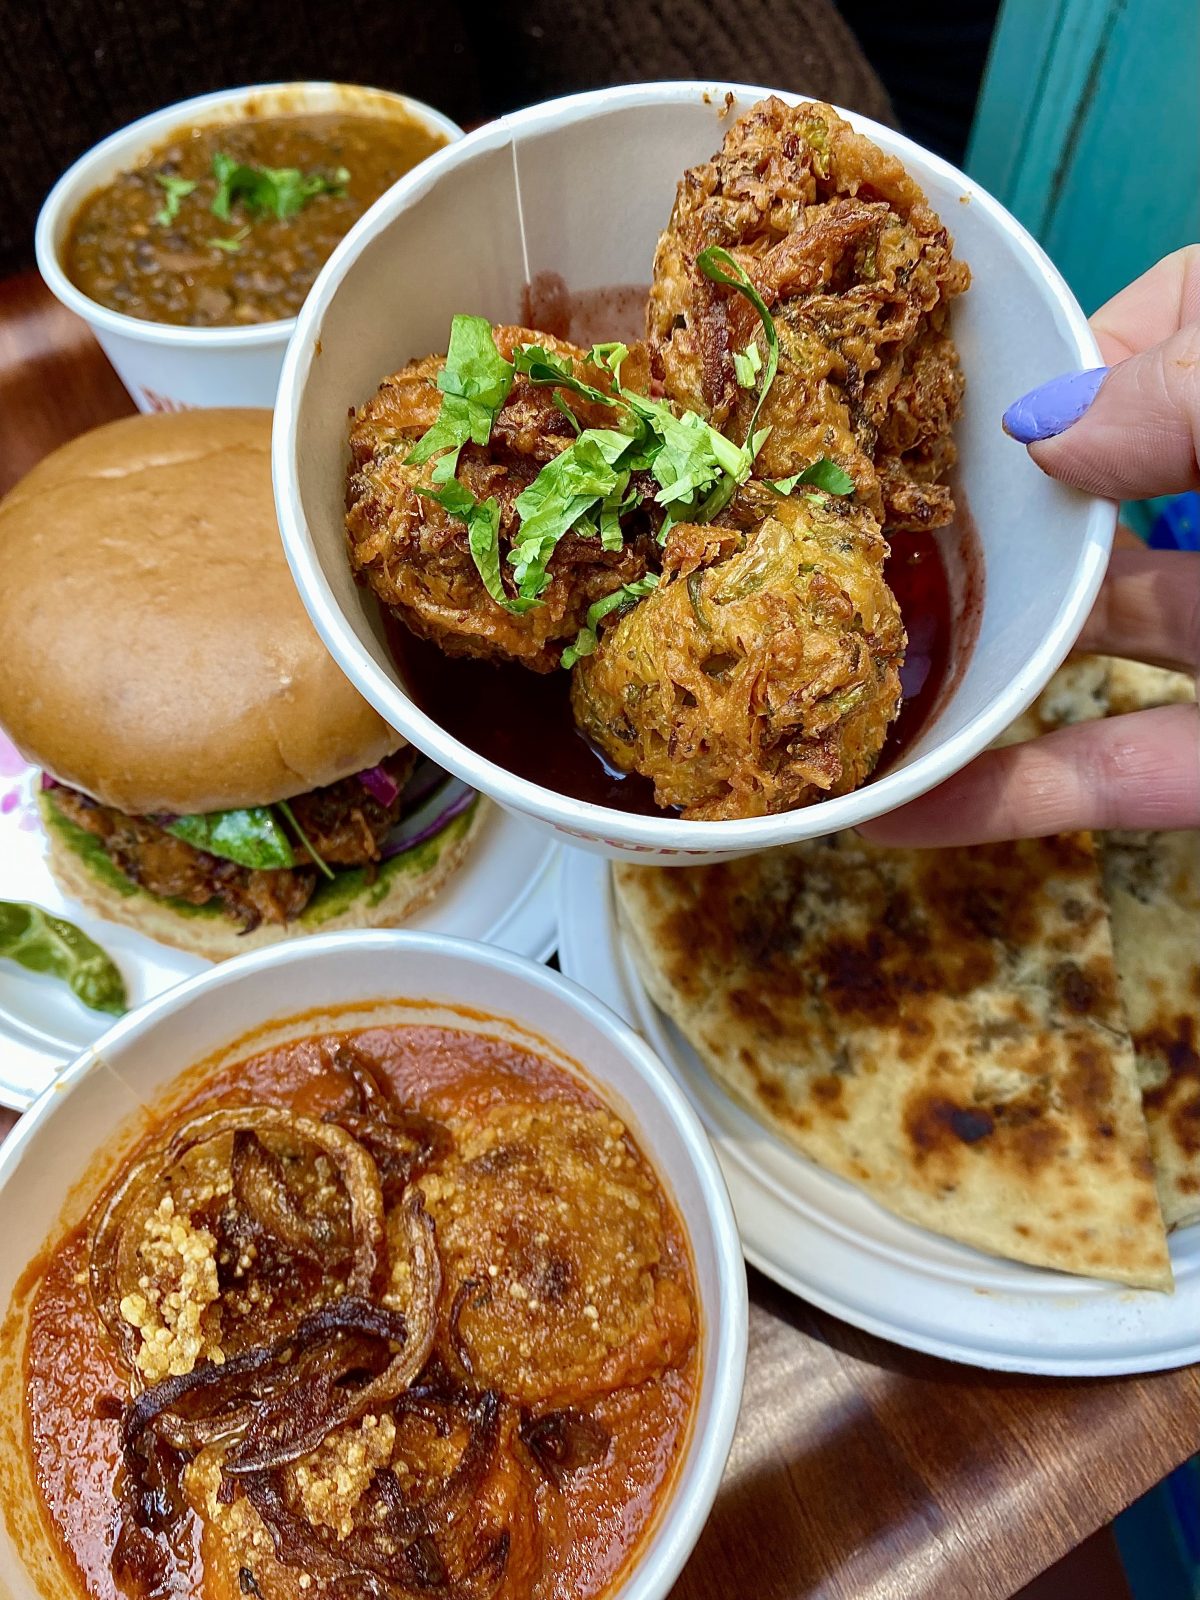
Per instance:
x=1053, y=407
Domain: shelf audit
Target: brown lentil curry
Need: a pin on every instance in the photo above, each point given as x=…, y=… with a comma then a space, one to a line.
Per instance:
x=398, y=1312
x=149, y=245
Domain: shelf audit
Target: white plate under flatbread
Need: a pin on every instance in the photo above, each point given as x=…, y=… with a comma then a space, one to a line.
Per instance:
x=941, y=1028
x=1152, y=885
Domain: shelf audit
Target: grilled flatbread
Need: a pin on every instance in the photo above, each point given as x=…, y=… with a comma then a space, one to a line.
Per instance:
x=1078, y=692
x=1152, y=882
x=941, y=1028
x=1152, y=886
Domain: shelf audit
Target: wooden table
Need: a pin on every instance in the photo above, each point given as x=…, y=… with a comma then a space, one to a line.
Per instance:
x=859, y=1471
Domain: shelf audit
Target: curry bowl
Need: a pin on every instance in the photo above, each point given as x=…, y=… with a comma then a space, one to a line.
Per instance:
x=155, y=1061
x=167, y=367
x=567, y=200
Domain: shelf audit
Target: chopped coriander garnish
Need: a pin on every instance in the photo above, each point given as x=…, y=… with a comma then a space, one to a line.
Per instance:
x=474, y=382
x=720, y=266
x=587, y=638
x=543, y=366
x=231, y=246
x=747, y=364
x=280, y=190
x=177, y=189
x=318, y=861
x=587, y=486
x=820, y=474
x=608, y=357
x=565, y=488
x=483, y=537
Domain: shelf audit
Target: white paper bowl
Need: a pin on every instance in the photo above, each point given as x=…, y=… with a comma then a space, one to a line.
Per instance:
x=167, y=368
x=348, y=979
x=597, y=175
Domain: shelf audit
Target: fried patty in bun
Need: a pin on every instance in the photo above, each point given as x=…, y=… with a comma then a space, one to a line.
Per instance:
x=212, y=777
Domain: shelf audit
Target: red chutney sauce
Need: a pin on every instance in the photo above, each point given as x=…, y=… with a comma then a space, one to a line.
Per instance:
x=392, y=1312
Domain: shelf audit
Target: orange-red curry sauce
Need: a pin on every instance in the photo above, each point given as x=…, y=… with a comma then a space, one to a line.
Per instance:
x=590, y=1525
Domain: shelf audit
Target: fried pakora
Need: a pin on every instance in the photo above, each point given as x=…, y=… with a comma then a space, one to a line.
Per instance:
x=763, y=672
x=858, y=272
x=416, y=555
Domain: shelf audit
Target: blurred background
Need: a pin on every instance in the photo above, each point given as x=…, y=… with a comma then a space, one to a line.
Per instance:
x=1070, y=111
x=1081, y=115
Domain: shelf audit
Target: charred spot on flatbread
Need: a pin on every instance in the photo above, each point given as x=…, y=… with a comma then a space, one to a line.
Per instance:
x=943, y=1028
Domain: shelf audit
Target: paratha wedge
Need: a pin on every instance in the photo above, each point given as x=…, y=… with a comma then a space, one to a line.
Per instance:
x=1152, y=886
x=1152, y=882
x=941, y=1028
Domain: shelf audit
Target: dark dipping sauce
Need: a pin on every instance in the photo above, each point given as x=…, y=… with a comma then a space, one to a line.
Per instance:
x=522, y=720
x=171, y=271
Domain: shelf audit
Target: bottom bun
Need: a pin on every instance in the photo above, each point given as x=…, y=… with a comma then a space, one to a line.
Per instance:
x=400, y=887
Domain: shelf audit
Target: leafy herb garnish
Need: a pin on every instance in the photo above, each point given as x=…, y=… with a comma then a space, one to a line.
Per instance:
x=280, y=190
x=747, y=364
x=177, y=189
x=475, y=382
x=251, y=837
x=565, y=488
x=543, y=366
x=318, y=861
x=720, y=266
x=483, y=537
x=821, y=474
x=231, y=245
x=587, y=638
x=587, y=486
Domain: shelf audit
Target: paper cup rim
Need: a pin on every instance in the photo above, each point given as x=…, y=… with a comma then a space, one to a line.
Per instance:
x=586, y=820
x=137, y=136
x=672, y=1534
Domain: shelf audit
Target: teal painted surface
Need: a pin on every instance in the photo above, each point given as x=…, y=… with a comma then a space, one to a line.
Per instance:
x=1088, y=128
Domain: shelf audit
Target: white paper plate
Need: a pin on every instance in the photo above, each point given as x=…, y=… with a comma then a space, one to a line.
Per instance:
x=825, y=1240
x=503, y=894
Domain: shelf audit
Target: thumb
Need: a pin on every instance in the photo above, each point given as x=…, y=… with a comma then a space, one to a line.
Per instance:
x=1125, y=432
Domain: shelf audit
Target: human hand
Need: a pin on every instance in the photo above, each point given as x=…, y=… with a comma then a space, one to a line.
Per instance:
x=1125, y=431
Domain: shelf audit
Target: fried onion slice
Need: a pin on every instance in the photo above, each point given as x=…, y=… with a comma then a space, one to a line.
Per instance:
x=245, y=1220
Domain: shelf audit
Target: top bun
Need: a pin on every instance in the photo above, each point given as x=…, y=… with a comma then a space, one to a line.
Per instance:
x=156, y=654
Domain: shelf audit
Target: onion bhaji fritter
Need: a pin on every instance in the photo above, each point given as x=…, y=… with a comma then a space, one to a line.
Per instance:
x=858, y=272
x=416, y=556
x=763, y=672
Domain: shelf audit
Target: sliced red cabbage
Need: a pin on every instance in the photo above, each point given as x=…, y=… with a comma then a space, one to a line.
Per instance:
x=425, y=780
x=380, y=785
x=449, y=801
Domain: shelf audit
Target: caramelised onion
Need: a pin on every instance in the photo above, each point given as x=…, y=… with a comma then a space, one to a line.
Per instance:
x=113, y=1265
x=260, y=1188
x=402, y=1143
x=321, y=1394
x=277, y=1402
x=352, y=1163
x=398, y=1547
x=562, y=1442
